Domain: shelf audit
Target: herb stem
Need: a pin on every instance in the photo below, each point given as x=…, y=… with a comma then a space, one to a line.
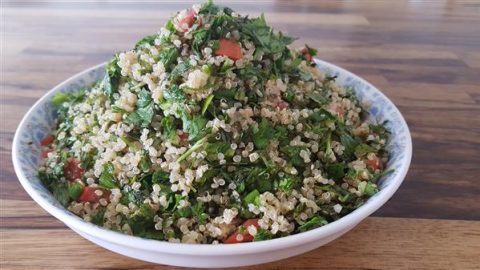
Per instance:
x=196, y=146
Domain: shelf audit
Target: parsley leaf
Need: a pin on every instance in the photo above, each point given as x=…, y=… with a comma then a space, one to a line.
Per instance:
x=99, y=217
x=313, y=223
x=112, y=77
x=262, y=235
x=143, y=115
x=263, y=134
x=263, y=35
x=169, y=129
x=106, y=178
x=336, y=170
x=194, y=126
x=168, y=57
x=146, y=40
x=73, y=97
x=141, y=219
x=75, y=190
x=293, y=154
x=318, y=98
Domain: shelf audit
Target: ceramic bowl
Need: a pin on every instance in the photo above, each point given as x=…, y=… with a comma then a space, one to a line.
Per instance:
x=39, y=121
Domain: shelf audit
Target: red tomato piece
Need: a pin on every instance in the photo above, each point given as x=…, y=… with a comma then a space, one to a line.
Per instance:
x=183, y=137
x=89, y=195
x=374, y=164
x=340, y=111
x=307, y=54
x=187, y=21
x=230, y=49
x=245, y=236
x=281, y=104
x=47, y=140
x=72, y=169
x=45, y=152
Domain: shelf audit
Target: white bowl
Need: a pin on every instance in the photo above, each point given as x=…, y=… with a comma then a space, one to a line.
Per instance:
x=38, y=122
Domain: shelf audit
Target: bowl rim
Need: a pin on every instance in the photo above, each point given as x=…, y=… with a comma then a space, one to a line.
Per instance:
x=118, y=238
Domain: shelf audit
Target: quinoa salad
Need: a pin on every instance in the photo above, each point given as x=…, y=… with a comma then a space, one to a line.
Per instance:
x=213, y=131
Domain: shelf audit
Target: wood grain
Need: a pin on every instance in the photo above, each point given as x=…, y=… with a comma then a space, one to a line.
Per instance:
x=408, y=244
x=424, y=55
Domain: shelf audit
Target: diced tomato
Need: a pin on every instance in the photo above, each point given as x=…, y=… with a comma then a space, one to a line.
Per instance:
x=230, y=49
x=45, y=152
x=307, y=54
x=340, y=111
x=72, y=169
x=47, y=140
x=281, y=104
x=374, y=164
x=183, y=137
x=89, y=195
x=187, y=21
x=245, y=236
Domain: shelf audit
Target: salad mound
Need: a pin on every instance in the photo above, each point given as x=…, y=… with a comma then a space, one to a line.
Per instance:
x=213, y=131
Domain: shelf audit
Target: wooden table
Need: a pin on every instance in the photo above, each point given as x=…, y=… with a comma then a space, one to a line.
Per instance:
x=425, y=55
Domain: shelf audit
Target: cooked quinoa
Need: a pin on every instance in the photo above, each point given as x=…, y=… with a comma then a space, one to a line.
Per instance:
x=213, y=131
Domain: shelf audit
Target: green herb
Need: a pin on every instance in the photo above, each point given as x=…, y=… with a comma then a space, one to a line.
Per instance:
x=363, y=149
x=263, y=35
x=178, y=71
x=59, y=99
x=350, y=143
x=99, y=217
x=73, y=97
x=319, y=98
x=58, y=188
x=311, y=50
x=312, y=224
x=367, y=188
x=145, y=163
x=305, y=76
x=75, y=190
x=262, y=235
x=321, y=116
x=152, y=234
x=143, y=115
x=60, y=192
x=251, y=197
x=146, y=40
x=198, y=211
x=200, y=37
x=86, y=160
x=106, y=179
x=141, y=219
x=194, y=126
x=168, y=57
x=336, y=171
x=174, y=94
x=195, y=147
x=160, y=177
x=329, y=155
x=213, y=148
x=206, y=103
x=330, y=78
x=169, y=129
x=117, y=109
x=263, y=135
x=132, y=196
x=379, y=175
x=293, y=154
x=287, y=183
x=112, y=77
